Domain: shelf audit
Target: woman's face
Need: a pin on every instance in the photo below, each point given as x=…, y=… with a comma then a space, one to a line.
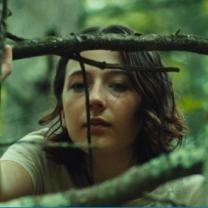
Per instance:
x=114, y=104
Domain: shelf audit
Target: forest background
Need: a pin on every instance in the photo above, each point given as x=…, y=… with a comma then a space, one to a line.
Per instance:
x=26, y=95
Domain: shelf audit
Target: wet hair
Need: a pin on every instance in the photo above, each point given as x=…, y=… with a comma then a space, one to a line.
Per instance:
x=161, y=125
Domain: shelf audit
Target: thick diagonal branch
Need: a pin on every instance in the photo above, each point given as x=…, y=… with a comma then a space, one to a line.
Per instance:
x=128, y=186
x=77, y=43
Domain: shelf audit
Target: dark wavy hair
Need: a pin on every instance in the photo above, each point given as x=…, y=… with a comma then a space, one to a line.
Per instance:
x=161, y=125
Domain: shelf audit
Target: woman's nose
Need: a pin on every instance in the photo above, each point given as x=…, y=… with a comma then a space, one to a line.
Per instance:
x=97, y=99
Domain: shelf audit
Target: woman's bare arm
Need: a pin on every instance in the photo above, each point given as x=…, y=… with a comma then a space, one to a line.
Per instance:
x=14, y=181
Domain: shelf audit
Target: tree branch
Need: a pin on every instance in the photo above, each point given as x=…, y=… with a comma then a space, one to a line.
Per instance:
x=167, y=201
x=14, y=37
x=4, y=12
x=76, y=43
x=128, y=186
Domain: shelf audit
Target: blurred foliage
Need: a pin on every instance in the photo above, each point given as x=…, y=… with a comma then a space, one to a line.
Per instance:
x=167, y=17
x=26, y=93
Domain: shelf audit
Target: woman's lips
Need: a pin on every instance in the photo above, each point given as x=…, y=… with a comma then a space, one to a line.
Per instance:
x=98, y=125
x=99, y=122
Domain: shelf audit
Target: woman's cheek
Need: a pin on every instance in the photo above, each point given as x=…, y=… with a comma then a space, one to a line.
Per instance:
x=73, y=113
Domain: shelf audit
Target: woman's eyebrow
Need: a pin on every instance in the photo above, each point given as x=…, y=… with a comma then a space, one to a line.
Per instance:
x=110, y=72
x=116, y=72
x=75, y=73
x=113, y=71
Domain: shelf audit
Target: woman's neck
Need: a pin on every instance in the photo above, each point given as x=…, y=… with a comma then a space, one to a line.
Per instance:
x=110, y=165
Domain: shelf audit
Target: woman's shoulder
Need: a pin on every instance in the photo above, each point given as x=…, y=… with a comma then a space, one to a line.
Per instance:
x=31, y=143
x=47, y=176
x=35, y=135
x=27, y=150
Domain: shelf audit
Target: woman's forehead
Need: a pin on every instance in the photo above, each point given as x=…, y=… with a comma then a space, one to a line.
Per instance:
x=107, y=56
x=102, y=55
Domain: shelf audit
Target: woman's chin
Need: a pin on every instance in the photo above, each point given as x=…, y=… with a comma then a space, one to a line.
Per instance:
x=98, y=143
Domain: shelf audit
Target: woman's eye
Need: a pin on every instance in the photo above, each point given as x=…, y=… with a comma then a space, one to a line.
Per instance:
x=118, y=87
x=78, y=87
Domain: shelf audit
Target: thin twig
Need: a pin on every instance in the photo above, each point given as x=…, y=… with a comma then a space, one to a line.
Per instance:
x=87, y=107
x=104, y=65
x=14, y=37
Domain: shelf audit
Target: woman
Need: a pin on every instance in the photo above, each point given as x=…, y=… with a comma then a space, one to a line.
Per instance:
x=132, y=118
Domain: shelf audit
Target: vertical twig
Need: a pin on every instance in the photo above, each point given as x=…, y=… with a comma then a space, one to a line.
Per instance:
x=3, y=17
x=87, y=106
x=2, y=37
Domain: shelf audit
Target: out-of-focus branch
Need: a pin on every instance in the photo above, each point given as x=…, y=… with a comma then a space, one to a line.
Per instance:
x=3, y=16
x=204, y=199
x=76, y=43
x=14, y=37
x=4, y=13
x=163, y=201
x=128, y=186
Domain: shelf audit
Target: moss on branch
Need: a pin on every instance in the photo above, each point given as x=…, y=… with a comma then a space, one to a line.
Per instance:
x=128, y=186
x=79, y=42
